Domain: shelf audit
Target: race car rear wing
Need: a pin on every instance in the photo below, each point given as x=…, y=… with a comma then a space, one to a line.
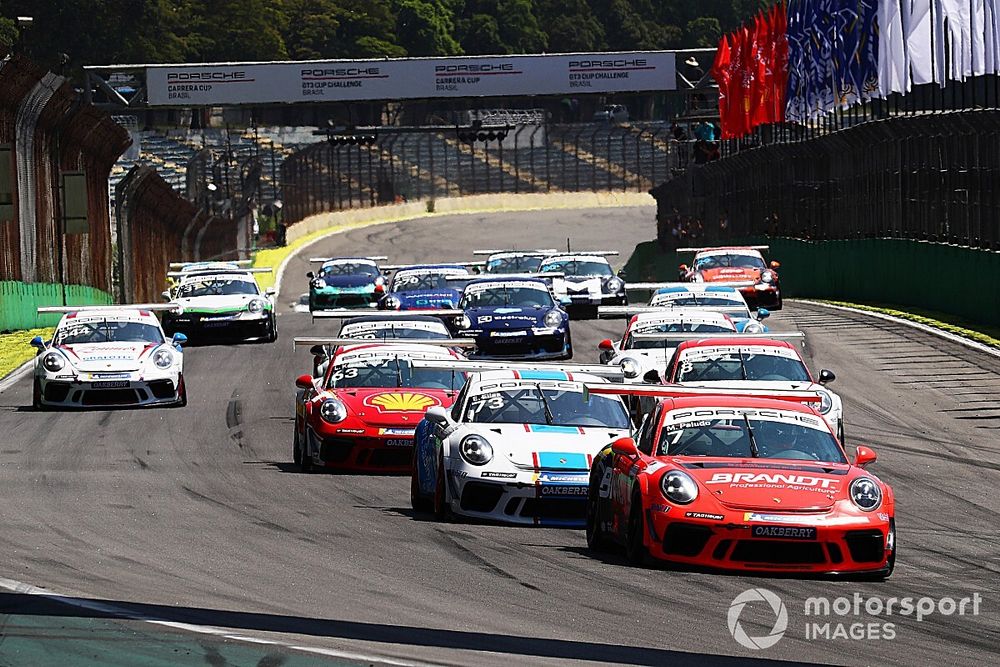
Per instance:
x=237, y=262
x=504, y=276
x=338, y=342
x=346, y=313
x=734, y=337
x=678, y=391
x=594, y=253
x=543, y=252
x=373, y=258
x=473, y=366
x=221, y=272
x=166, y=307
x=628, y=311
x=741, y=247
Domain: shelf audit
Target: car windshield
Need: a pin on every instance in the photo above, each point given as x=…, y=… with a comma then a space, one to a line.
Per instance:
x=503, y=295
x=216, y=287
x=518, y=264
x=391, y=372
x=576, y=267
x=108, y=331
x=350, y=269
x=633, y=343
x=525, y=405
x=724, y=261
x=412, y=282
x=749, y=437
x=393, y=332
x=741, y=364
x=704, y=301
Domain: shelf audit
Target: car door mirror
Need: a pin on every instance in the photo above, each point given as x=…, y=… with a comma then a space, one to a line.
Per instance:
x=165, y=294
x=775, y=265
x=625, y=447
x=310, y=275
x=864, y=456
x=318, y=351
x=652, y=377
x=621, y=274
x=179, y=339
x=683, y=267
x=38, y=343
x=438, y=416
x=606, y=345
x=270, y=291
x=763, y=314
x=826, y=377
x=304, y=382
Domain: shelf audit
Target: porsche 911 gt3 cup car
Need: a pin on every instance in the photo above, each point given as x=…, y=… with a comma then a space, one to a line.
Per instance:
x=516, y=446
x=641, y=349
x=361, y=415
x=719, y=298
x=514, y=318
x=514, y=261
x=425, y=287
x=221, y=304
x=741, y=483
x=587, y=279
x=345, y=282
x=108, y=356
x=742, y=267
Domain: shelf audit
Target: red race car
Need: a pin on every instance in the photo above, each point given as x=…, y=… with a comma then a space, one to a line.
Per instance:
x=742, y=267
x=740, y=482
x=361, y=415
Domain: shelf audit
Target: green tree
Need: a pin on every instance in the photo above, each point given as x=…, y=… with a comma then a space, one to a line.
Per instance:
x=426, y=28
x=242, y=30
x=480, y=35
x=367, y=30
x=571, y=26
x=519, y=27
x=311, y=28
x=704, y=32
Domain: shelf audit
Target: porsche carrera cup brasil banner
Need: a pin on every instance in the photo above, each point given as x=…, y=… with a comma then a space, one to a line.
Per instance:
x=411, y=78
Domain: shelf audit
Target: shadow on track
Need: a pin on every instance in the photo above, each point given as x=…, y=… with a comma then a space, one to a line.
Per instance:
x=529, y=647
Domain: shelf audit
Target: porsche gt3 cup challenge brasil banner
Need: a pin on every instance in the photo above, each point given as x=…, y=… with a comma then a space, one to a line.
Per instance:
x=411, y=78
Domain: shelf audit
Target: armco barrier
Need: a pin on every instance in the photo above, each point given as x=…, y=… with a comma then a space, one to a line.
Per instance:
x=932, y=276
x=19, y=302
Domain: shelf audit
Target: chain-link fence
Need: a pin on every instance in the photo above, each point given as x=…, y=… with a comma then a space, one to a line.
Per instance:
x=930, y=177
x=419, y=165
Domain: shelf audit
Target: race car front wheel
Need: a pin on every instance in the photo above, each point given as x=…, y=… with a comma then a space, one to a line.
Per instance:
x=417, y=501
x=36, y=395
x=441, y=508
x=182, y=394
x=296, y=448
x=635, y=549
x=596, y=539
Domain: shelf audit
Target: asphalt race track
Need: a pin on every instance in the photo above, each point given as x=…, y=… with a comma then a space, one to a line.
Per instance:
x=197, y=515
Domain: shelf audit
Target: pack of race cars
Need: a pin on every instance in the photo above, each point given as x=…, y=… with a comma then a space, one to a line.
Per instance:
x=699, y=438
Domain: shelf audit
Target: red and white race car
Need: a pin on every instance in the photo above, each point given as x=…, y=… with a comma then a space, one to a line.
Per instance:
x=740, y=482
x=742, y=267
x=360, y=416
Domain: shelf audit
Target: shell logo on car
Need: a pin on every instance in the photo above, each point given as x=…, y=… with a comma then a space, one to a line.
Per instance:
x=402, y=402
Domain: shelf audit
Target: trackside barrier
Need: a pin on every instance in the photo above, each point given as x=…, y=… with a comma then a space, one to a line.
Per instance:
x=933, y=276
x=19, y=302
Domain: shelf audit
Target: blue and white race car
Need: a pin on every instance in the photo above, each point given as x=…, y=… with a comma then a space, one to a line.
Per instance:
x=514, y=261
x=723, y=299
x=516, y=446
x=345, y=282
x=514, y=318
x=425, y=287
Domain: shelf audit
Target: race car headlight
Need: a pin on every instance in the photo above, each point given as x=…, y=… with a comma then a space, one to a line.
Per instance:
x=392, y=303
x=163, y=358
x=553, y=318
x=319, y=283
x=615, y=285
x=53, y=362
x=767, y=276
x=475, y=450
x=866, y=493
x=464, y=322
x=753, y=328
x=255, y=306
x=630, y=367
x=697, y=278
x=825, y=402
x=678, y=487
x=333, y=411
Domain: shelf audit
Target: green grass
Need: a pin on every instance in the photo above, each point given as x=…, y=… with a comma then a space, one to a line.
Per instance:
x=980, y=333
x=15, y=348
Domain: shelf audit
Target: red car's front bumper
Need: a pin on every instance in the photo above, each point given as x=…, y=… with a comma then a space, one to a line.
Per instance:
x=817, y=547
x=365, y=453
x=769, y=297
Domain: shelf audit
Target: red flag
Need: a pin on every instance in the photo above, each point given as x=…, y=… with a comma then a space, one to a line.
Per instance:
x=760, y=98
x=780, y=63
x=740, y=104
x=720, y=72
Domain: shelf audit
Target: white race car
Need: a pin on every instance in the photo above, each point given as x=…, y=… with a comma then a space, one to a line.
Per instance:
x=723, y=299
x=221, y=303
x=514, y=261
x=641, y=349
x=516, y=446
x=108, y=356
x=587, y=279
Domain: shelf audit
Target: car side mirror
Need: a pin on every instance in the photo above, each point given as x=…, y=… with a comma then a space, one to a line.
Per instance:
x=270, y=291
x=652, y=377
x=763, y=314
x=625, y=447
x=606, y=345
x=304, y=382
x=38, y=343
x=683, y=267
x=179, y=339
x=165, y=294
x=310, y=275
x=775, y=265
x=621, y=274
x=864, y=456
x=438, y=415
x=318, y=351
x=826, y=377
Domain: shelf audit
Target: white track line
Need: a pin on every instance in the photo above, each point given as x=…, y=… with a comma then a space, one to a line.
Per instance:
x=15, y=376
x=121, y=613
x=955, y=338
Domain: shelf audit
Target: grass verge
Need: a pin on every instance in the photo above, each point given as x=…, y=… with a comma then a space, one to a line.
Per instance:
x=15, y=348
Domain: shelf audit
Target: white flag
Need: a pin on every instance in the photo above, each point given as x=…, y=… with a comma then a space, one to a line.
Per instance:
x=977, y=28
x=893, y=76
x=918, y=41
x=990, y=37
x=938, y=39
